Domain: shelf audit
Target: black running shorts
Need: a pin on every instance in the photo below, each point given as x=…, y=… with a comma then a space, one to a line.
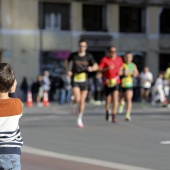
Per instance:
x=109, y=90
x=81, y=85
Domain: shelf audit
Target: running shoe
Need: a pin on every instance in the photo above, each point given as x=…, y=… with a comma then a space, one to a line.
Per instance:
x=114, y=120
x=80, y=123
x=128, y=117
x=121, y=108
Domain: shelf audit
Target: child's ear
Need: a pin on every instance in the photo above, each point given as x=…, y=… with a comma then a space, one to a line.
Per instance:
x=13, y=88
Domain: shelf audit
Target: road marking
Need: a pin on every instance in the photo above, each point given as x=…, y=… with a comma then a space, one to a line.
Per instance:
x=106, y=164
x=31, y=119
x=165, y=142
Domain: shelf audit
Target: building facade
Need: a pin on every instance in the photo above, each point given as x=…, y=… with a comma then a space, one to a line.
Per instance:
x=37, y=35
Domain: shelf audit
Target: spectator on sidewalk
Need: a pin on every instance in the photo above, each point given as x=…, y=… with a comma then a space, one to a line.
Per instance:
x=158, y=90
x=68, y=89
x=40, y=94
x=98, y=86
x=24, y=89
x=46, y=81
x=146, y=79
x=136, y=89
x=62, y=89
x=167, y=78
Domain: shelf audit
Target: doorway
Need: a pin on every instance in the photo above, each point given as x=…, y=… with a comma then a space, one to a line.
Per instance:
x=164, y=61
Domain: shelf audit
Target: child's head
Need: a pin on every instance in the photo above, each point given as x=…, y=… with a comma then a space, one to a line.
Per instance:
x=161, y=74
x=7, y=77
x=39, y=77
x=98, y=74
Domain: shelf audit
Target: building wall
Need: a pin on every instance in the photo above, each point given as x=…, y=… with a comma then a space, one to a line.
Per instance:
x=21, y=40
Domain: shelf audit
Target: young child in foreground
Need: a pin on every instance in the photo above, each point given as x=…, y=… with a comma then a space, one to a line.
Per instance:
x=10, y=113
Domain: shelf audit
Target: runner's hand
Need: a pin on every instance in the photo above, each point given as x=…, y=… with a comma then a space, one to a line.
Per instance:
x=110, y=67
x=69, y=73
x=125, y=73
x=89, y=69
x=13, y=88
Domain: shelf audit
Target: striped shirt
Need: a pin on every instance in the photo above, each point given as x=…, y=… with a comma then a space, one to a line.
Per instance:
x=10, y=135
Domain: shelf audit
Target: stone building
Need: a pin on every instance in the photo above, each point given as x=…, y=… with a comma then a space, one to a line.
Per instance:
x=36, y=35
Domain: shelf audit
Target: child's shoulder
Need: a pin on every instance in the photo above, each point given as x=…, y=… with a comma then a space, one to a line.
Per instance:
x=16, y=99
x=16, y=102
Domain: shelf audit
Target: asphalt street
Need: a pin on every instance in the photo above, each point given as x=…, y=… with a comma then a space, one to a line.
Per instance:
x=53, y=141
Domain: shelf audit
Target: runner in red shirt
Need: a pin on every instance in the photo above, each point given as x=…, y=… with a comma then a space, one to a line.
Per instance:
x=110, y=66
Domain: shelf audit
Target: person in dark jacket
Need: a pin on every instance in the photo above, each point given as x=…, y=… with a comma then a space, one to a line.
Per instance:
x=37, y=90
x=98, y=93
x=24, y=89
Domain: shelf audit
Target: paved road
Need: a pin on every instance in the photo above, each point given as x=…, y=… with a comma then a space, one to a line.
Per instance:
x=124, y=145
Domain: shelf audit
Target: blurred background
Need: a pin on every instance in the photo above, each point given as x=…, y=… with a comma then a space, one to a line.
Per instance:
x=39, y=35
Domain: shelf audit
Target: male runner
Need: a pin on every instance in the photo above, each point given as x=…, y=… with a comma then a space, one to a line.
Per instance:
x=81, y=62
x=110, y=66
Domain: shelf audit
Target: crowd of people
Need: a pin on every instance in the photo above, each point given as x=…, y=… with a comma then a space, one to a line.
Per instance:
x=115, y=80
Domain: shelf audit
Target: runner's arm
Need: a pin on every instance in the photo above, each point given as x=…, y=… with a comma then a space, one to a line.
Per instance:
x=106, y=68
x=92, y=68
x=68, y=65
x=135, y=71
x=121, y=71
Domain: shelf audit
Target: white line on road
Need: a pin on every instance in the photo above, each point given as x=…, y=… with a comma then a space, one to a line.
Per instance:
x=106, y=164
x=31, y=119
x=165, y=142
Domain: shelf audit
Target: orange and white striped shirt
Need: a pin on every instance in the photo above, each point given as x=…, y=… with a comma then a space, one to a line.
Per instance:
x=10, y=135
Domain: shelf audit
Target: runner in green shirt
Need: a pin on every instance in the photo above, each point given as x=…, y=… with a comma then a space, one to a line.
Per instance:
x=127, y=72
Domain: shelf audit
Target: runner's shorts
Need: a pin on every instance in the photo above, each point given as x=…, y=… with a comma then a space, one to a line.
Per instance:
x=109, y=90
x=81, y=85
x=122, y=89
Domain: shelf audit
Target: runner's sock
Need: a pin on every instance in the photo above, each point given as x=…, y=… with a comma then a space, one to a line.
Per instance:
x=107, y=115
x=79, y=120
x=114, y=120
x=80, y=116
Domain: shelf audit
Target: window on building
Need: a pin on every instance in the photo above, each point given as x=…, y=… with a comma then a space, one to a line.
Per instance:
x=94, y=18
x=164, y=61
x=55, y=16
x=164, y=21
x=132, y=19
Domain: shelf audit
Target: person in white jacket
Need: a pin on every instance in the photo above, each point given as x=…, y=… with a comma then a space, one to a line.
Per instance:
x=158, y=90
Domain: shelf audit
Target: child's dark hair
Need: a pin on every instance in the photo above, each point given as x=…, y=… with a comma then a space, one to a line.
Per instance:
x=7, y=77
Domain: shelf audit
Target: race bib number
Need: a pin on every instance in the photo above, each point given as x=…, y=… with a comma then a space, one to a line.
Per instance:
x=127, y=82
x=81, y=77
x=111, y=82
x=146, y=84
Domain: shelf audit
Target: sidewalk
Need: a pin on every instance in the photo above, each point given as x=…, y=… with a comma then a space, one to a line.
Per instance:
x=33, y=162
x=66, y=108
